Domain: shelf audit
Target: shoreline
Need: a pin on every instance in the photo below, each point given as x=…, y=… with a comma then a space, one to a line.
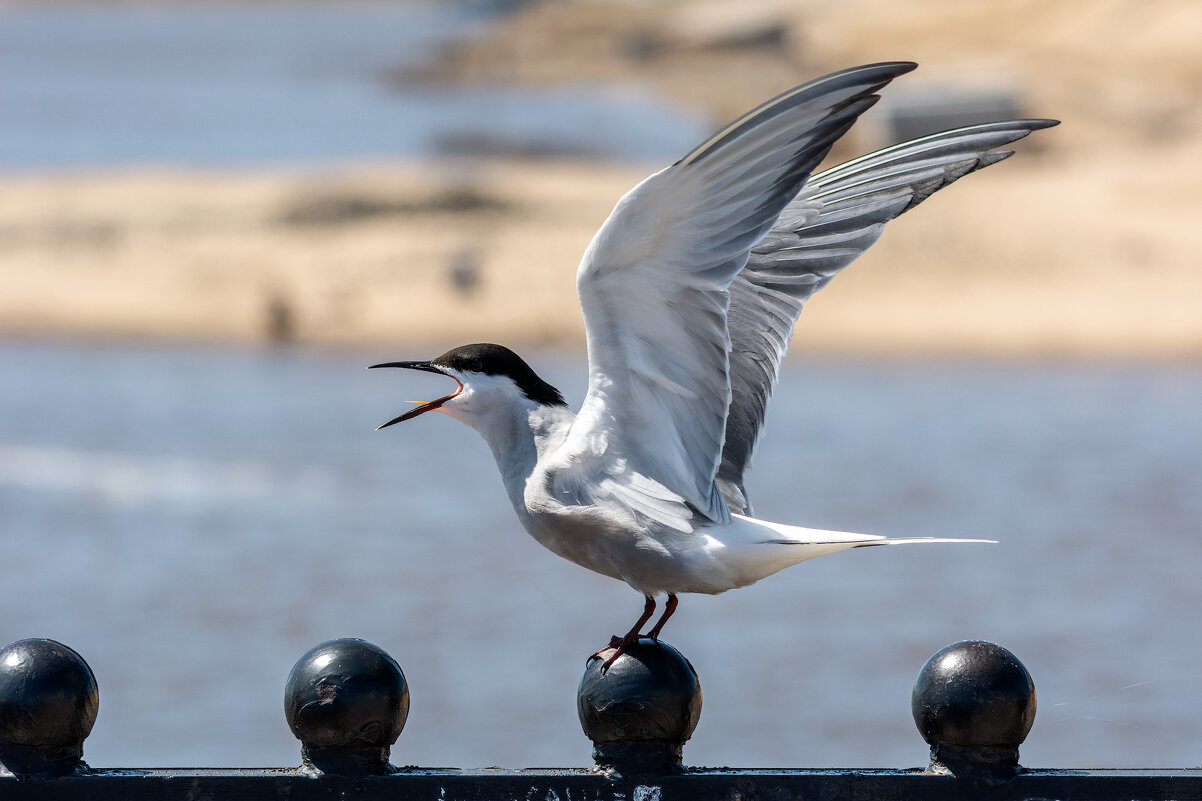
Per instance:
x=420, y=255
x=1083, y=244
x=801, y=351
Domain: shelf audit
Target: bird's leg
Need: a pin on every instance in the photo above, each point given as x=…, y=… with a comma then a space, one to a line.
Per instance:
x=669, y=608
x=620, y=644
x=632, y=636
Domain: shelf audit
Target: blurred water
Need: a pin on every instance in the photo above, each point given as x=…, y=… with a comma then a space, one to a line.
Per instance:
x=193, y=519
x=228, y=85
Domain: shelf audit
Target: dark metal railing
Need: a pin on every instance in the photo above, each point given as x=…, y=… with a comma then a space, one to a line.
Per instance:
x=347, y=701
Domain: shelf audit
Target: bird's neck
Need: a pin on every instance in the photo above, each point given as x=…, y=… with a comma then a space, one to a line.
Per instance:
x=519, y=435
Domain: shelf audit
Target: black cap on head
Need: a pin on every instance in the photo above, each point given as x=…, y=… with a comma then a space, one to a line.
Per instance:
x=490, y=359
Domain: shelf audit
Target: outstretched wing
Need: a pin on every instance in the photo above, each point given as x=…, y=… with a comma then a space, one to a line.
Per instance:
x=835, y=218
x=653, y=287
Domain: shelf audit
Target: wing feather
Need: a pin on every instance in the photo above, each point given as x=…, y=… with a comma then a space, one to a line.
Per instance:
x=837, y=216
x=654, y=284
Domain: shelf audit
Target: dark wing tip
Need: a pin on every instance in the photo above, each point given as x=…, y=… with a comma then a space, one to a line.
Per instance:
x=870, y=77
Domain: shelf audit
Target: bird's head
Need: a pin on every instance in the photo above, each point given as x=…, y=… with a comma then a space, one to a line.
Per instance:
x=490, y=378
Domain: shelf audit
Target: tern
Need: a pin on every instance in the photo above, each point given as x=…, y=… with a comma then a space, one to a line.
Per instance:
x=690, y=290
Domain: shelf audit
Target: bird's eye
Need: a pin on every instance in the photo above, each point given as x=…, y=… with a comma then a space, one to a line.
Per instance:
x=476, y=366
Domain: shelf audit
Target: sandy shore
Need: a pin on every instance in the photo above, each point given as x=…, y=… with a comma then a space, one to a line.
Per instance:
x=1086, y=245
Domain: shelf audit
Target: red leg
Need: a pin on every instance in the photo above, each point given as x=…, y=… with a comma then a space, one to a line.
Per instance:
x=669, y=608
x=632, y=636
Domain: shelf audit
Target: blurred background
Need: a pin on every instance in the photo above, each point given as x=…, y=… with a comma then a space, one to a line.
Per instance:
x=212, y=216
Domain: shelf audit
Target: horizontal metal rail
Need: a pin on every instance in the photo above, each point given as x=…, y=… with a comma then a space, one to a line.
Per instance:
x=582, y=785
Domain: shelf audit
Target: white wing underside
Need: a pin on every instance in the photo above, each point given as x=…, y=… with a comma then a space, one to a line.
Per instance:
x=686, y=335
x=653, y=287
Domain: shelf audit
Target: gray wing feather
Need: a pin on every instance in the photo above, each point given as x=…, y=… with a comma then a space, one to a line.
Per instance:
x=653, y=289
x=838, y=215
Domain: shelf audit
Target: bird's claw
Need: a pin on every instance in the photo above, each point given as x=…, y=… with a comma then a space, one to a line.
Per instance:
x=619, y=645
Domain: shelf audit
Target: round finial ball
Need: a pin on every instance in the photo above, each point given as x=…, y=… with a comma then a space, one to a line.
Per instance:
x=974, y=694
x=649, y=693
x=48, y=695
x=346, y=693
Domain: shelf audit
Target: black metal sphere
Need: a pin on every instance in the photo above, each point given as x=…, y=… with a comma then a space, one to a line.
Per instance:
x=48, y=695
x=649, y=694
x=346, y=693
x=974, y=694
